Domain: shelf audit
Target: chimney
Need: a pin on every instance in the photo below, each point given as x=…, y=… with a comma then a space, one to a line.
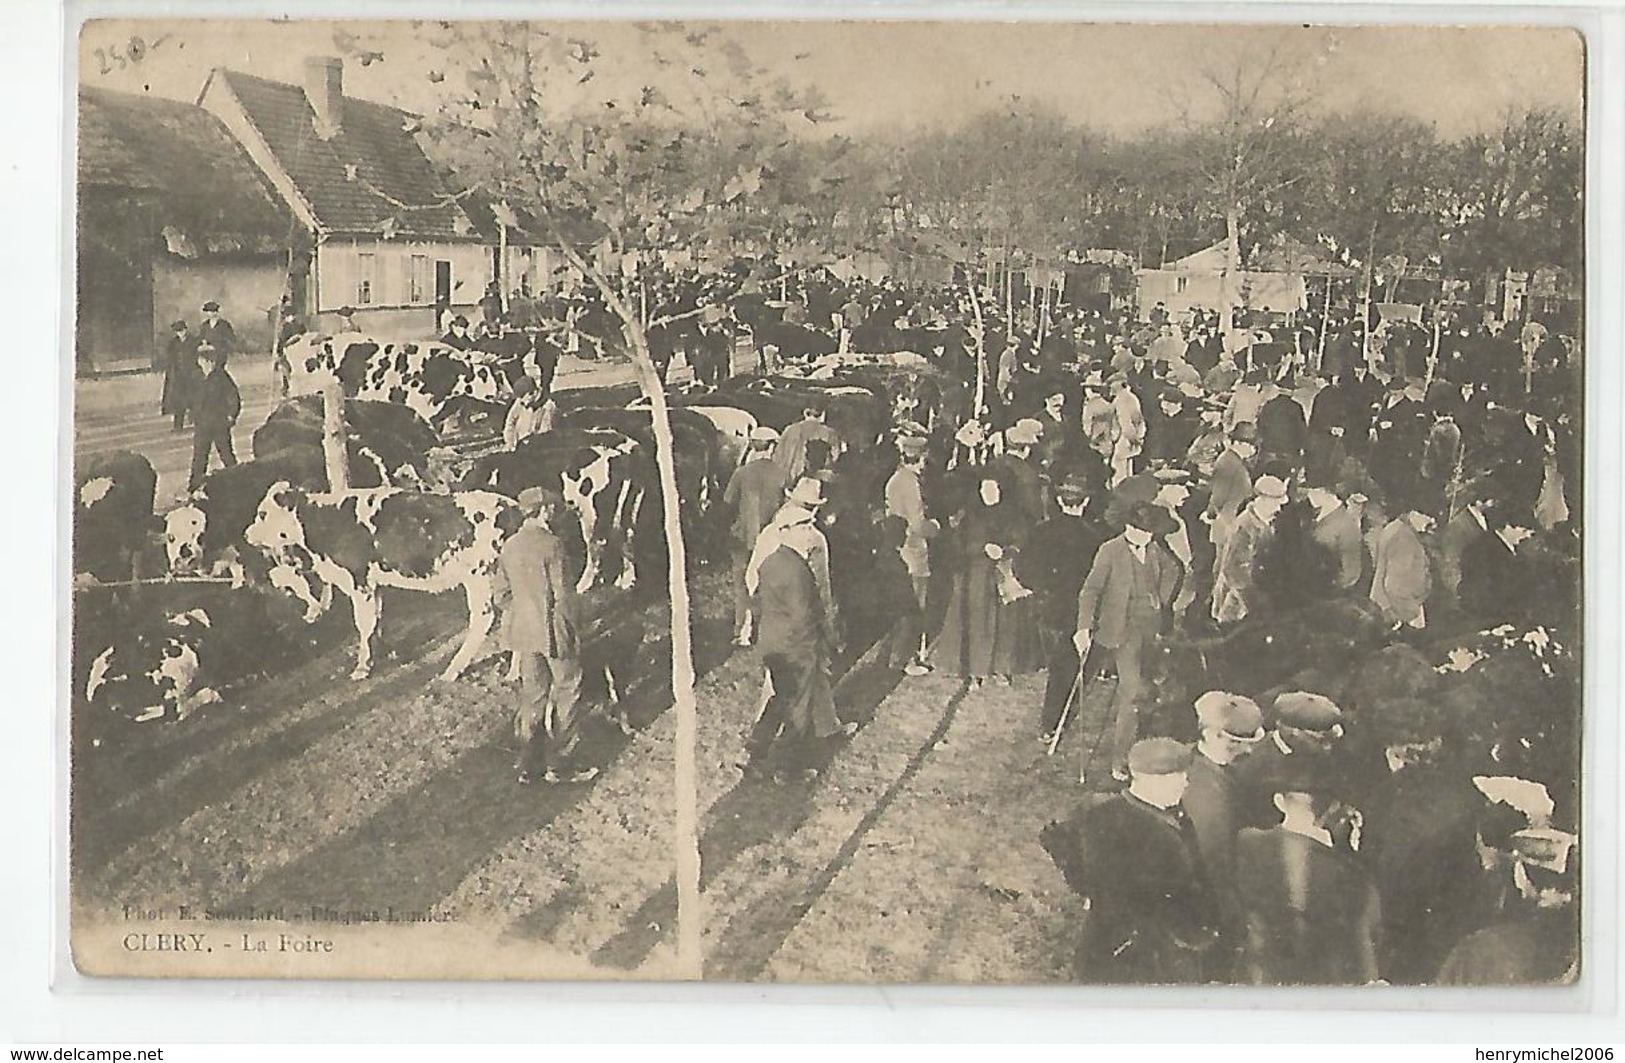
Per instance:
x=324, y=87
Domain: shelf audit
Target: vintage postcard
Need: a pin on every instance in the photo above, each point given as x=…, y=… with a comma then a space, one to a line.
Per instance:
x=1026, y=503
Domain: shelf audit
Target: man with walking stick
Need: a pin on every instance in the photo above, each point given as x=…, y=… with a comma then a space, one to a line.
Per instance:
x=1055, y=563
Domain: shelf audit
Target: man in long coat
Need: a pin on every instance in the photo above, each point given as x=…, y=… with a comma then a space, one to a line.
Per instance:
x=754, y=493
x=796, y=637
x=1313, y=913
x=216, y=405
x=1231, y=727
x=181, y=375
x=544, y=632
x=214, y=332
x=1125, y=603
x=1402, y=579
x=1235, y=577
x=905, y=499
x=1154, y=919
x=1054, y=563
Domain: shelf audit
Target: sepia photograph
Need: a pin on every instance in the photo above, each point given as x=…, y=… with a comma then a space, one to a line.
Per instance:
x=869, y=502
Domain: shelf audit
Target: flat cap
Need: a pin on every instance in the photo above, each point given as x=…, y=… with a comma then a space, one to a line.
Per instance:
x=1072, y=491
x=1235, y=715
x=911, y=446
x=210, y=306
x=178, y=324
x=1268, y=486
x=1158, y=756
x=1304, y=711
x=532, y=499
x=764, y=434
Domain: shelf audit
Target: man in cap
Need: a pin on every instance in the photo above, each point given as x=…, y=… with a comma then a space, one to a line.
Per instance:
x=543, y=628
x=754, y=494
x=1231, y=727
x=795, y=632
x=1055, y=562
x=216, y=405
x=215, y=332
x=1307, y=729
x=1125, y=602
x=181, y=374
x=1131, y=428
x=1018, y=470
x=791, y=451
x=1153, y=917
x=1235, y=576
x=905, y=499
x=1312, y=913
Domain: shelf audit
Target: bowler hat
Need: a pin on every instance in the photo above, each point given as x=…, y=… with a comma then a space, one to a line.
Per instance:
x=1158, y=756
x=1150, y=517
x=1304, y=711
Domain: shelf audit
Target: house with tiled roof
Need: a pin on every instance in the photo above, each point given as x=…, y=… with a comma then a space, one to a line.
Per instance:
x=171, y=212
x=389, y=235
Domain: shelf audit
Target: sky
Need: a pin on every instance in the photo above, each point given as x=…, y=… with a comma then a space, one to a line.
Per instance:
x=1115, y=77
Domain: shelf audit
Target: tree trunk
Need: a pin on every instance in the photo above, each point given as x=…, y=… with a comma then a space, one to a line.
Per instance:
x=335, y=440
x=1230, y=279
x=1365, y=298
x=685, y=776
x=685, y=785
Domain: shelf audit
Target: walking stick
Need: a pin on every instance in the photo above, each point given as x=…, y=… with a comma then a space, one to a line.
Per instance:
x=1066, y=711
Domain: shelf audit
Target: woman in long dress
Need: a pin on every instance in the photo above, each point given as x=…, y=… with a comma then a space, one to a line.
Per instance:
x=991, y=627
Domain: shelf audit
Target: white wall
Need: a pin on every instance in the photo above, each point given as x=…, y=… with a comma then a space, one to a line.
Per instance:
x=246, y=291
x=339, y=269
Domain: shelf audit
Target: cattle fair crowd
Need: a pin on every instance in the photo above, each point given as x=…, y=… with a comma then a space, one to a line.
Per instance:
x=1320, y=570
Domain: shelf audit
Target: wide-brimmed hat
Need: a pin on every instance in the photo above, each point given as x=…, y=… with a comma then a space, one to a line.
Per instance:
x=808, y=492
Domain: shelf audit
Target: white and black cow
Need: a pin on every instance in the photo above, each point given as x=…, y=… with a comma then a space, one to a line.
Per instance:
x=155, y=673
x=603, y=475
x=112, y=514
x=205, y=533
x=434, y=381
x=359, y=542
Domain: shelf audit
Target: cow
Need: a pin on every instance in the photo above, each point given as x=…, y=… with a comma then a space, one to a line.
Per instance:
x=113, y=499
x=359, y=542
x=434, y=381
x=602, y=474
x=205, y=532
x=154, y=671
x=389, y=445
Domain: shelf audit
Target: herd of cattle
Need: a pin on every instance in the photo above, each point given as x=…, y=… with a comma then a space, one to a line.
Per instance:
x=417, y=514
x=260, y=549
